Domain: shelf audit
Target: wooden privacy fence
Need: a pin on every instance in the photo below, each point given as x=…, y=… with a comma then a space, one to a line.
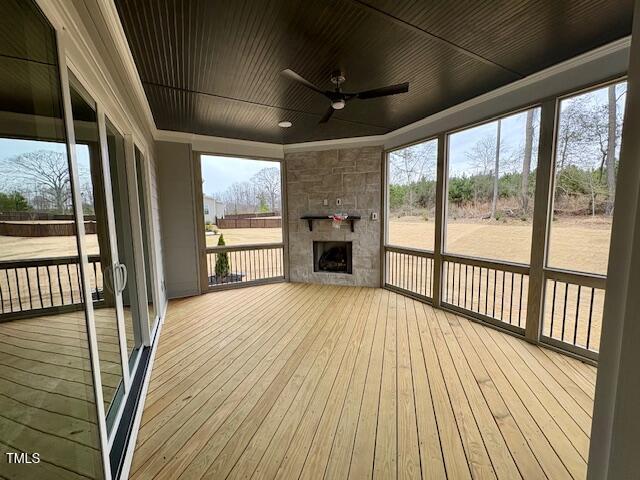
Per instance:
x=246, y=264
x=33, y=287
x=35, y=229
x=249, y=222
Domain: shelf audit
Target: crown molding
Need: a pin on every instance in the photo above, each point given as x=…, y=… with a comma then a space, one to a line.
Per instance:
x=223, y=145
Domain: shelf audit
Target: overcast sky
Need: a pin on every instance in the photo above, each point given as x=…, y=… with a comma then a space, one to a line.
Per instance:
x=218, y=173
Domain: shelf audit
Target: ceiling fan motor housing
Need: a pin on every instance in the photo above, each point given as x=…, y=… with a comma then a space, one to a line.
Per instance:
x=337, y=77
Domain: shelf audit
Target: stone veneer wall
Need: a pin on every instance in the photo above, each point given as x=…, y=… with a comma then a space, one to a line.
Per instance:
x=353, y=175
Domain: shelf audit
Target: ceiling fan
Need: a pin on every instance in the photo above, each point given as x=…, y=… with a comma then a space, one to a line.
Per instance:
x=339, y=98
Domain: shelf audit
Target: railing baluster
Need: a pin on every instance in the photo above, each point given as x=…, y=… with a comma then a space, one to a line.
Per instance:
x=70, y=284
x=26, y=270
x=575, y=326
x=466, y=271
x=553, y=308
x=502, y=297
x=50, y=288
x=59, y=283
x=459, y=280
x=1, y=298
x=511, y=300
x=6, y=273
x=473, y=279
x=478, y=306
x=486, y=295
x=520, y=302
x=15, y=272
x=590, y=318
x=564, y=311
x=78, y=283
x=495, y=288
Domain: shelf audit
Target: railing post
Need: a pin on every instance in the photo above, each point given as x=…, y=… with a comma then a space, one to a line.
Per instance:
x=441, y=217
x=542, y=216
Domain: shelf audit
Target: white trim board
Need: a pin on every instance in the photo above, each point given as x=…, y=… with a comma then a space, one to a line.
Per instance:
x=128, y=458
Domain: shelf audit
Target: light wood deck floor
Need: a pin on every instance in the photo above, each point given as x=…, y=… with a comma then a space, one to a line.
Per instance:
x=307, y=381
x=47, y=401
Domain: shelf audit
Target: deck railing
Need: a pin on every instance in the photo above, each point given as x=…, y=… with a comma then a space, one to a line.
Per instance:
x=497, y=292
x=573, y=309
x=40, y=284
x=247, y=264
x=492, y=291
x=409, y=270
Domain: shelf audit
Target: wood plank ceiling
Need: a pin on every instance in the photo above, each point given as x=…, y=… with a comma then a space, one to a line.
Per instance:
x=213, y=67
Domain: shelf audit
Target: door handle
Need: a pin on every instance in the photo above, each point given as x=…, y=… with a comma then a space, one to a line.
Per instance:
x=122, y=268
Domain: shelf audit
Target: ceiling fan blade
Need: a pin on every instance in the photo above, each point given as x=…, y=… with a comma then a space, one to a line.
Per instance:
x=297, y=78
x=384, y=91
x=325, y=118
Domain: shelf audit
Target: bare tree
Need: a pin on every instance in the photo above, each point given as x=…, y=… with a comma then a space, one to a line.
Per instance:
x=611, y=148
x=526, y=160
x=267, y=182
x=49, y=171
x=412, y=164
x=571, y=132
x=482, y=155
x=496, y=171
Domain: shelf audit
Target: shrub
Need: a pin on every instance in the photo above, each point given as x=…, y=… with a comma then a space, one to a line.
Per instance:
x=222, y=261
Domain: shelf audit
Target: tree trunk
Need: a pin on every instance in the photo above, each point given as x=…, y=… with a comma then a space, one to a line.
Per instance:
x=526, y=163
x=496, y=173
x=611, y=150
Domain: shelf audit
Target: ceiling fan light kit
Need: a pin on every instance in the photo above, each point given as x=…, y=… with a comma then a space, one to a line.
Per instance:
x=339, y=98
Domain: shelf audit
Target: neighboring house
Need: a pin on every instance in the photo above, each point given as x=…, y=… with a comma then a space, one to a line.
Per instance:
x=212, y=209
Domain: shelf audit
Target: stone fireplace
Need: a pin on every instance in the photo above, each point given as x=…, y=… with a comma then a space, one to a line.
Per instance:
x=325, y=182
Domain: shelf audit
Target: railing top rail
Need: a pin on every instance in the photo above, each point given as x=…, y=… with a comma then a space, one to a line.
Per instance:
x=410, y=250
x=44, y=262
x=579, y=278
x=520, y=268
x=237, y=248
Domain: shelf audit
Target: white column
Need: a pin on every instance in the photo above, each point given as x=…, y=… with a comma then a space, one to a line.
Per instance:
x=615, y=434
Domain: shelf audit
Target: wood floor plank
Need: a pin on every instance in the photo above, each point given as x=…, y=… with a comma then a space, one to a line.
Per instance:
x=472, y=440
x=537, y=440
x=557, y=438
x=320, y=449
x=271, y=461
x=496, y=445
x=187, y=384
x=340, y=361
x=455, y=459
x=344, y=438
x=254, y=451
x=408, y=461
x=362, y=457
x=266, y=415
x=386, y=433
x=432, y=463
x=197, y=406
x=554, y=406
x=274, y=372
x=310, y=381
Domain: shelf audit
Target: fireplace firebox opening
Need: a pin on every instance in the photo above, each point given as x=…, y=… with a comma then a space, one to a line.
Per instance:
x=333, y=257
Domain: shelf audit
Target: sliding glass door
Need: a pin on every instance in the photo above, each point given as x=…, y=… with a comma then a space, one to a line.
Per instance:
x=49, y=385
